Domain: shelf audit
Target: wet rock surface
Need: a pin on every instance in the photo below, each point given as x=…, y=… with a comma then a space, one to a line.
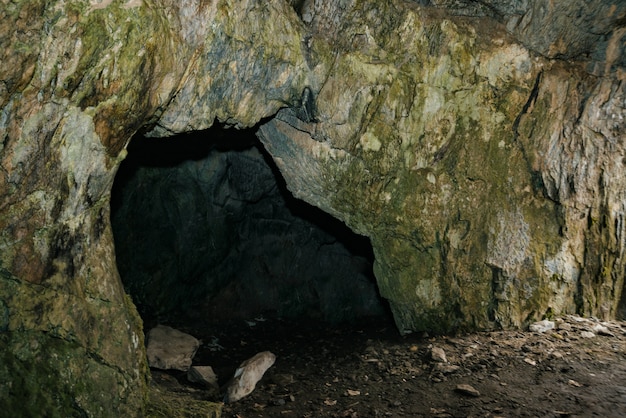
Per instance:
x=369, y=370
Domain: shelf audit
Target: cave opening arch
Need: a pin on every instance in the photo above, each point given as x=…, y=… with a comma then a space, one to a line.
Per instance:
x=206, y=230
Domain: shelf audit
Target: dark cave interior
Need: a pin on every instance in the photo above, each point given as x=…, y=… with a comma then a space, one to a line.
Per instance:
x=206, y=230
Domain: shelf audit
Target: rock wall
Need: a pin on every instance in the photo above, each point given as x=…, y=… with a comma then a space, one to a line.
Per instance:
x=483, y=160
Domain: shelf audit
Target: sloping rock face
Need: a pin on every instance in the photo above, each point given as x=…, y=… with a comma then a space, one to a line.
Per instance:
x=479, y=167
x=484, y=161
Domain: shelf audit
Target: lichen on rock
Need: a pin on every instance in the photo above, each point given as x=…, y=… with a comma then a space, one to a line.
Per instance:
x=485, y=162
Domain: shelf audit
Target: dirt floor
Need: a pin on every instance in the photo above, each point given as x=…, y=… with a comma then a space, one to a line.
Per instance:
x=577, y=369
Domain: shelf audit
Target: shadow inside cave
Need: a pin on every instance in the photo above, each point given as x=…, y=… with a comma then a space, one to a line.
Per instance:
x=206, y=233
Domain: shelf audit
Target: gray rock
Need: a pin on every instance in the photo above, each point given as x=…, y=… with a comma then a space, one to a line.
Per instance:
x=170, y=349
x=542, y=326
x=438, y=355
x=602, y=330
x=247, y=375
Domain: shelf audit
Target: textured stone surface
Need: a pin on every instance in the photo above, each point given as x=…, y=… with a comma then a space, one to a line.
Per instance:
x=168, y=348
x=486, y=169
x=460, y=153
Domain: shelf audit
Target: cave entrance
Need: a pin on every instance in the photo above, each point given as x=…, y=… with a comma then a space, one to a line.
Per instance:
x=207, y=233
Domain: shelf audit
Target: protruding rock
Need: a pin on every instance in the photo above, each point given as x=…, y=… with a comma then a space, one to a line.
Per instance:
x=468, y=390
x=247, y=375
x=438, y=355
x=602, y=330
x=542, y=326
x=169, y=348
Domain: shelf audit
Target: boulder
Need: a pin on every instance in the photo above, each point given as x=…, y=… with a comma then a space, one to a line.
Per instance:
x=168, y=348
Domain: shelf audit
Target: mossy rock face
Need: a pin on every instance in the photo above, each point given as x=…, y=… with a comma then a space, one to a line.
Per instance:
x=442, y=139
x=487, y=173
x=163, y=404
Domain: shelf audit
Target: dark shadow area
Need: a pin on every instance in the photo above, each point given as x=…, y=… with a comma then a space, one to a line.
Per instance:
x=206, y=230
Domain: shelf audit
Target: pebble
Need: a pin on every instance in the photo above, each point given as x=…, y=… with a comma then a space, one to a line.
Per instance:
x=446, y=368
x=587, y=334
x=468, y=390
x=437, y=354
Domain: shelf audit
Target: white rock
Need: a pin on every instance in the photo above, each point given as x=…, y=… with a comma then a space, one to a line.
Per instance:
x=602, y=330
x=247, y=375
x=203, y=375
x=437, y=354
x=542, y=326
x=587, y=334
x=169, y=348
x=446, y=368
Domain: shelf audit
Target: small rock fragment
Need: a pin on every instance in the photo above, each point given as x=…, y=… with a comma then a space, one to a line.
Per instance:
x=203, y=375
x=169, y=348
x=574, y=383
x=587, y=334
x=565, y=326
x=542, y=326
x=446, y=368
x=468, y=390
x=530, y=361
x=437, y=354
x=247, y=375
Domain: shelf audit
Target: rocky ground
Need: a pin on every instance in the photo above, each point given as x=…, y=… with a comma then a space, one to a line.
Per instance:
x=577, y=369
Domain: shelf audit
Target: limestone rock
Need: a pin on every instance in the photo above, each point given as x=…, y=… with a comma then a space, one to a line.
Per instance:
x=247, y=375
x=542, y=326
x=602, y=330
x=169, y=348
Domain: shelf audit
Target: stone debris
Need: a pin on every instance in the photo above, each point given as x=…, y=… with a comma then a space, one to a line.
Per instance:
x=170, y=349
x=587, y=334
x=247, y=375
x=465, y=389
x=564, y=326
x=446, y=368
x=530, y=361
x=574, y=383
x=599, y=329
x=542, y=326
x=438, y=355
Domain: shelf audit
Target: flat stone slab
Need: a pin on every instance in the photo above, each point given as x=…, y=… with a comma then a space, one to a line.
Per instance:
x=170, y=349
